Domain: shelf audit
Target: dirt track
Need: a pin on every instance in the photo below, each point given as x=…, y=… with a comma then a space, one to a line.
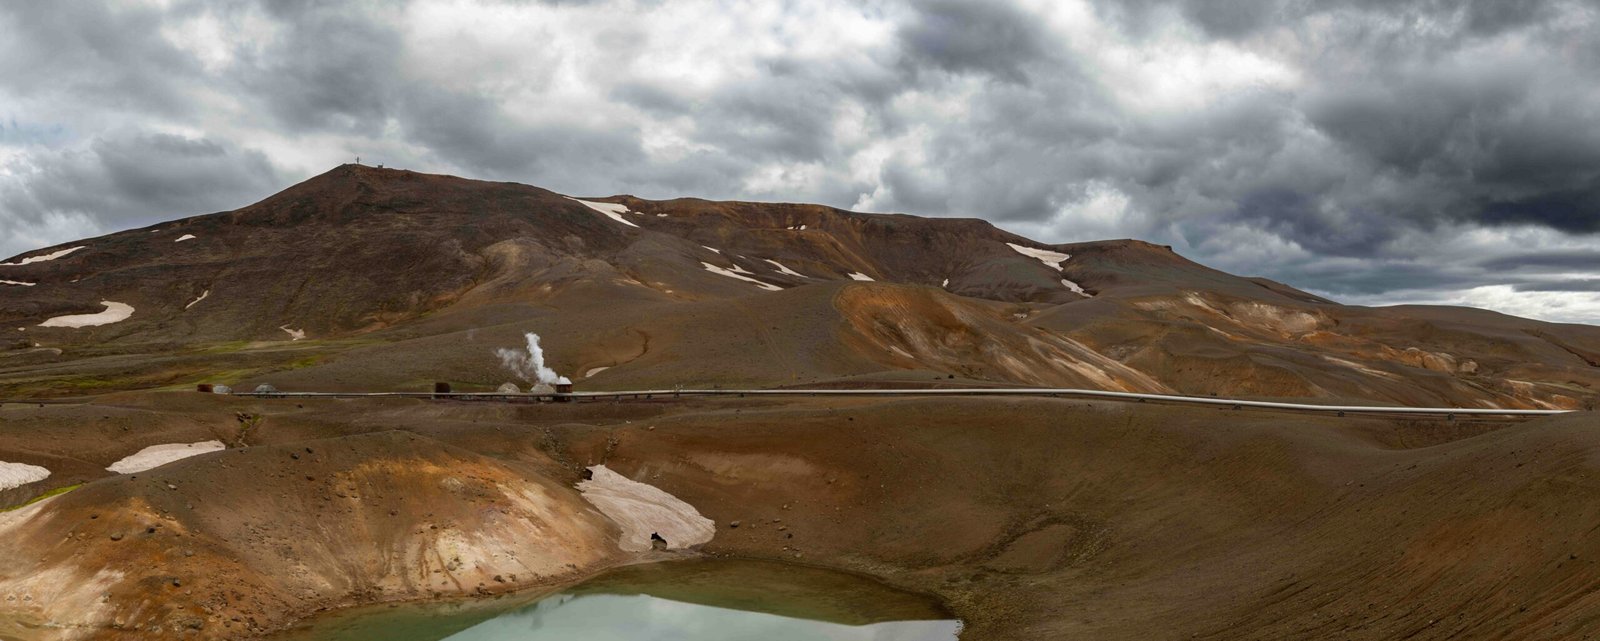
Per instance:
x=1031, y=518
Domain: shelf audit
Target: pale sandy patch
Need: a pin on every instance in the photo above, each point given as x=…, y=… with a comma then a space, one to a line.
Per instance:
x=641, y=510
x=597, y=370
x=294, y=334
x=114, y=313
x=157, y=455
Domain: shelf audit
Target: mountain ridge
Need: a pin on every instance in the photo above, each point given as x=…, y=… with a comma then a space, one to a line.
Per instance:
x=362, y=268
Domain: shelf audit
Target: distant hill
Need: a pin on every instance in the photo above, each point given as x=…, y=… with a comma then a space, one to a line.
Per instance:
x=365, y=278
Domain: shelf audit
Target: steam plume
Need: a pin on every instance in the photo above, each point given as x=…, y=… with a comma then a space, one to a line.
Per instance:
x=529, y=366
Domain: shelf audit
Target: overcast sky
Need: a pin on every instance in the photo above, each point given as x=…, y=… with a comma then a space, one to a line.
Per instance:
x=1374, y=151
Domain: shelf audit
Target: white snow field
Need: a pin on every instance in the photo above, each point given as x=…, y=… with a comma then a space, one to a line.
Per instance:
x=785, y=270
x=641, y=509
x=157, y=455
x=611, y=210
x=738, y=273
x=114, y=313
x=294, y=334
x=17, y=283
x=184, y=238
x=1050, y=258
x=859, y=276
x=40, y=259
x=13, y=475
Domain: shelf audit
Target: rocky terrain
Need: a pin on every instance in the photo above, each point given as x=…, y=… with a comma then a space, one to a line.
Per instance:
x=1028, y=518
x=382, y=279
x=166, y=513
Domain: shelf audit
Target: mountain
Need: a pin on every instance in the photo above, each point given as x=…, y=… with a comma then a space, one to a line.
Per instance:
x=1025, y=517
x=378, y=279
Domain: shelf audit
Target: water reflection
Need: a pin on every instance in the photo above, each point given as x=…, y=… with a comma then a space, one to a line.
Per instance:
x=612, y=617
x=679, y=601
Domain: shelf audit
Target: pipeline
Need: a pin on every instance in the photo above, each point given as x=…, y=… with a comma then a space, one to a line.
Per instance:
x=1341, y=410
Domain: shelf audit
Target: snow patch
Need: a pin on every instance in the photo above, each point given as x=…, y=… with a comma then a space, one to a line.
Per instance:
x=114, y=313
x=641, y=510
x=712, y=249
x=17, y=283
x=611, y=210
x=785, y=270
x=597, y=370
x=738, y=273
x=40, y=259
x=859, y=276
x=1076, y=288
x=294, y=334
x=202, y=297
x=184, y=238
x=797, y=228
x=157, y=455
x=1050, y=258
x=946, y=283
x=14, y=475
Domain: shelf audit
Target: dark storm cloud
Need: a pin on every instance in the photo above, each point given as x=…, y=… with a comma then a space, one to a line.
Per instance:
x=335, y=66
x=110, y=56
x=1345, y=146
x=966, y=35
x=1579, y=285
x=1243, y=18
x=134, y=179
x=1548, y=261
x=471, y=131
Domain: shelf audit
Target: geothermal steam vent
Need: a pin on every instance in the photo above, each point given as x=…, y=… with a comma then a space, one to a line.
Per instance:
x=642, y=510
x=529, y=366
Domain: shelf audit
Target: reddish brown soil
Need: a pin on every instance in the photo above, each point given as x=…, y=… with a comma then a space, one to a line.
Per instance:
x=1030, y=518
